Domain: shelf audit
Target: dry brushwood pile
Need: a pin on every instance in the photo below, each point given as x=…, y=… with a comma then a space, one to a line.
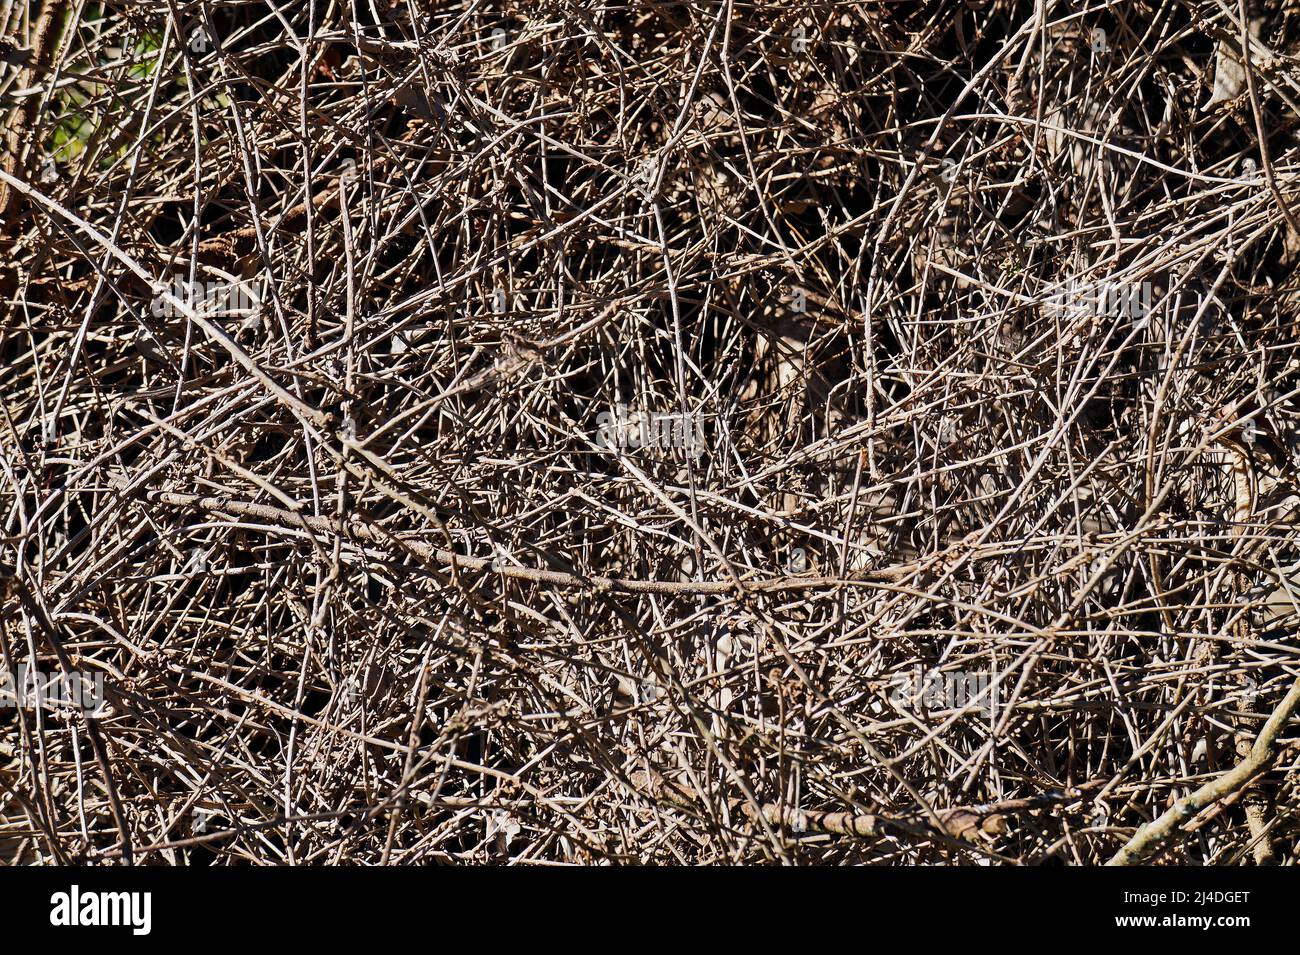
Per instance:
x=580, y=432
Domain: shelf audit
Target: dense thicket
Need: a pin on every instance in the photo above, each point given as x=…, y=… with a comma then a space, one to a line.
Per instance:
x=656, y=432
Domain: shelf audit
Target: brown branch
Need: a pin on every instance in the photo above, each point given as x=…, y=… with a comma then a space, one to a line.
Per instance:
x=1152, y=836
